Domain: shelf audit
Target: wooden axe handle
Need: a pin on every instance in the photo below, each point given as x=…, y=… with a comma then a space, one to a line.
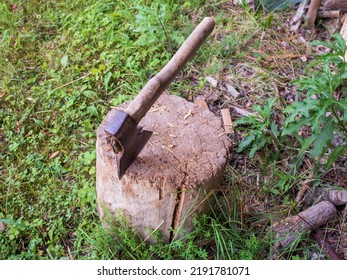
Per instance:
x=156, y=85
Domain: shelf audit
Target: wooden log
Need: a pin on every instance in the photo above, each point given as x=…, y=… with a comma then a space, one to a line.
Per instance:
x=295, y=22
x=312, y=13
x=288, y=230
x=183, y=161
x=335, y=5
x=338, y=197
x=329, y=14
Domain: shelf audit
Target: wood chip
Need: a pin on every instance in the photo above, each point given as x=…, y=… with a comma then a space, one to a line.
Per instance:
x=227, y=122
x=186, y=116
x=200, y=101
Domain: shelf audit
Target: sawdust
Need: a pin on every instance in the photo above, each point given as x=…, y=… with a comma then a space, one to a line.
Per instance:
x=188, y=146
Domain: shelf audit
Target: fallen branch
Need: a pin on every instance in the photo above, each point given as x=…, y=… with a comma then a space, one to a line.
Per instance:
x=312, y=13
x=335, y=5
x=289, y=229
x=297, y=18
x=329, y=14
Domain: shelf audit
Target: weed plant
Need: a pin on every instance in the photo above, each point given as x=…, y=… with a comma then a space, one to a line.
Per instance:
x=321, y=110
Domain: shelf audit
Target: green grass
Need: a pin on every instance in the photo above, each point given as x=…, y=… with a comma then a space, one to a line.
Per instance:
x=63, y=65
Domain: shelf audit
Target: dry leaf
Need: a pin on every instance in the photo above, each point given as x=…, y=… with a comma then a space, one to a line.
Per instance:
x=54, y=154
x=243, y=112
x=2, y=226
x=212, y=81
x=232, y=91
x=17, y=127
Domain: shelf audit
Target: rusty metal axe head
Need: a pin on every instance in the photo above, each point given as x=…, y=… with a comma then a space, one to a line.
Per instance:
x=126, y=138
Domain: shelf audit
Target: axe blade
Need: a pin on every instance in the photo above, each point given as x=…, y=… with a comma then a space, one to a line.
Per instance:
x=127, y=140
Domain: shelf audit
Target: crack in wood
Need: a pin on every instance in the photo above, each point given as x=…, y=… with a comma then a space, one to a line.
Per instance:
x=181, y=194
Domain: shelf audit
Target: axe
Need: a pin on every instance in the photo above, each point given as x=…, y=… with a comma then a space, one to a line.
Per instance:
x=122, y=132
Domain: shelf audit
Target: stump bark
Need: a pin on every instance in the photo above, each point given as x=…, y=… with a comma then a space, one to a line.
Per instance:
x=170, y=180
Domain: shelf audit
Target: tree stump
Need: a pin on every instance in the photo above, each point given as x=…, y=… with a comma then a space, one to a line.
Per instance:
x=170, y=180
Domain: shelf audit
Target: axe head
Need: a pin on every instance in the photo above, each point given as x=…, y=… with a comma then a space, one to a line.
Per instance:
x=127, y=140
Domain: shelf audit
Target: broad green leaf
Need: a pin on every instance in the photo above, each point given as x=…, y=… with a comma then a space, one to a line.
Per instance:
x=92, y=110
x=300, y=108
x=322, y=139
x=274, y=129
x=89, y=94
x=335, y=154
x=107, y=80
x=247, y=120
x=306, y=144
x=245, y=142
x=294, y=127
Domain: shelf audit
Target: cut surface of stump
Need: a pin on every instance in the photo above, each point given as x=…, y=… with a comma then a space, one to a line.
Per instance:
x=170, y=180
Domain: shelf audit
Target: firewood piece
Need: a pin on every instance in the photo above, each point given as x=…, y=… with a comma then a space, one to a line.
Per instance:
x=289, y=229
x=338, y=197
x=297, y=18
x=227, y=122
x=328, y=14
x=312, y=13
x=326, y=245
x=335, y=5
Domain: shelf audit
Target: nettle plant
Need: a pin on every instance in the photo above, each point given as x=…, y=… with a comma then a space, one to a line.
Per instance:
x=321, y=111
x=322, y=108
